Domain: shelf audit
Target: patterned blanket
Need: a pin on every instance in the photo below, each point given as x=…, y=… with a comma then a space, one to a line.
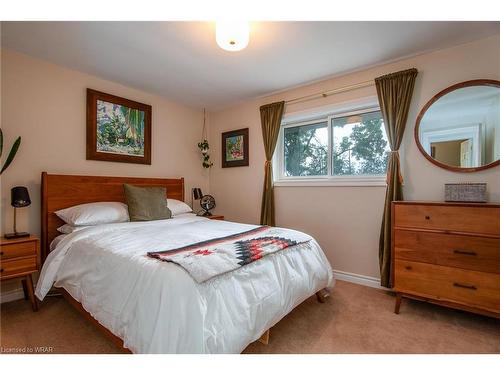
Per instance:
x=207, y=259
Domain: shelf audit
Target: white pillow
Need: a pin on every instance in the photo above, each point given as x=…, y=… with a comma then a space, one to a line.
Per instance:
x=67, y=229
x=94, y=213
x=177, y=207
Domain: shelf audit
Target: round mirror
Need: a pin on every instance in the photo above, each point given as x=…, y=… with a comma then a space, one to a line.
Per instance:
x=459, y=128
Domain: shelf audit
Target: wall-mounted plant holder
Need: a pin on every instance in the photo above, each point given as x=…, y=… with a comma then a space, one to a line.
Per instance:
x=204, y=146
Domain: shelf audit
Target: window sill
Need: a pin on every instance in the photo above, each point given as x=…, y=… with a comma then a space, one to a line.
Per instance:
x=338, y=181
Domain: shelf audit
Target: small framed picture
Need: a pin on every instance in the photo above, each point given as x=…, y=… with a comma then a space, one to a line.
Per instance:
x=118, y=129
x=235, y=151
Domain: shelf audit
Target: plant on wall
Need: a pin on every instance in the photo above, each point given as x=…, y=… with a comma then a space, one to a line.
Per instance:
x=12, y=152
x=204, y=146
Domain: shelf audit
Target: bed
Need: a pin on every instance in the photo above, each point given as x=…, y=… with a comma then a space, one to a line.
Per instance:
x=148, y=306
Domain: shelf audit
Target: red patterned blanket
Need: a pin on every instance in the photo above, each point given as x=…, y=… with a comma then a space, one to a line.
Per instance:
x=207, y=259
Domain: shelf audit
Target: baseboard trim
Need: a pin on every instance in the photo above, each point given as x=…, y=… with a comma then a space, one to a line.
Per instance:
x=354, y=278
x=12, y=295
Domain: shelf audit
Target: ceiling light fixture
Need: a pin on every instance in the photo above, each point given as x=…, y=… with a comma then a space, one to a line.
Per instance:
x=232, y=35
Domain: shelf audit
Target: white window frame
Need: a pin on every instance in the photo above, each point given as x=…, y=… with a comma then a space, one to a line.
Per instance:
x=324, y=114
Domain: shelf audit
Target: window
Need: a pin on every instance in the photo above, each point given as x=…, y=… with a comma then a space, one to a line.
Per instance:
x=306, y=150
x=359, y=145
x=337, y=147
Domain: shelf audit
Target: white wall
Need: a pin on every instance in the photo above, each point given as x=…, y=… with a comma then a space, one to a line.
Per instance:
x=346, y=220
x=45, y=104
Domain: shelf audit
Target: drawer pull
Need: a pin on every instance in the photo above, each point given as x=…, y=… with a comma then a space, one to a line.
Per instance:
x=427, y=217
x=1, y=253
x=1, y=270
x=458, y=285
x=409, y=267
x=465, y=252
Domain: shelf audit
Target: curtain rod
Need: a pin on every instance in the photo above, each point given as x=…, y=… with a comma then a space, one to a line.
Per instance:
x=330, y=92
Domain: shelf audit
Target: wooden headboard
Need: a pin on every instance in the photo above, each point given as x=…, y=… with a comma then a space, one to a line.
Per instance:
x=62, y=191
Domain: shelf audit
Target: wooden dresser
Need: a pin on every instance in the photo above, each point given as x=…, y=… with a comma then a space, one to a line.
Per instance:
x=448, y=254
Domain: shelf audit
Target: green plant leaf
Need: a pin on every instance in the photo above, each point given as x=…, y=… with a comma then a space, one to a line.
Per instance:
x=1, y=142
x=12, y=153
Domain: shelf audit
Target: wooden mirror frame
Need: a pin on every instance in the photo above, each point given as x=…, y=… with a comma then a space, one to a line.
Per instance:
x=475, y=82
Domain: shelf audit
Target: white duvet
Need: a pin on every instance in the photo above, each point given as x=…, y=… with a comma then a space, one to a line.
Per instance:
x=157, y=307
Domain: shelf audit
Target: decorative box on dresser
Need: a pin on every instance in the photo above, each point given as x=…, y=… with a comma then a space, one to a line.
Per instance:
x=19, y=259
x=448, y=254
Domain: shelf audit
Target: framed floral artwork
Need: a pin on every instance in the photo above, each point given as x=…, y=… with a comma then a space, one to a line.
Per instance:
x=235, y=151
x=118, y=129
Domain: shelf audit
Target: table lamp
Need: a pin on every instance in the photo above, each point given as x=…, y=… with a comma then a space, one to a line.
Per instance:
x=196, y=194
x=19, y=198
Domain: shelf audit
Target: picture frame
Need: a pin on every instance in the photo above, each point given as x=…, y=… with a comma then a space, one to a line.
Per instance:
x=235, y=150
x=118, y=129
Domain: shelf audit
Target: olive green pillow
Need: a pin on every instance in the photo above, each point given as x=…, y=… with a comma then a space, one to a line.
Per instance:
x=146, y=203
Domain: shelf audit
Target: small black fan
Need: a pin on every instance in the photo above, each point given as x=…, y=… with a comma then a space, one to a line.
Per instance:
x=207, y=202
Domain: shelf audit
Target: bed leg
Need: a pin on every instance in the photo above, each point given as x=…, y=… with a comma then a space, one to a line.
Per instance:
x=264, y=339
x=322, y=295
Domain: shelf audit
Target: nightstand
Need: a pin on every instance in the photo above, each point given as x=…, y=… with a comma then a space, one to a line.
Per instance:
x=19, y=259
x=216, y=217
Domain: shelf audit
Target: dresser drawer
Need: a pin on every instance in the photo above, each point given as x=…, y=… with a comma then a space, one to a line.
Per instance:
x=471, y=219
x=468, y=252
x=20, y=249
x=478, y=289
x=18, y=266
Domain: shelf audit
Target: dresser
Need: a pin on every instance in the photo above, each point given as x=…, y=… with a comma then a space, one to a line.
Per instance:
x=19, y=260
x=448, y=254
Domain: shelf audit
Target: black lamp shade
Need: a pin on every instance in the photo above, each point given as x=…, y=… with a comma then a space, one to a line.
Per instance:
x=20, y=197
x=197, y=194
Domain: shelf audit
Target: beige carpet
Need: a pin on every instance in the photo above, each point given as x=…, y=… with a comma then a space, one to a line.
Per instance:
x=356, y=319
